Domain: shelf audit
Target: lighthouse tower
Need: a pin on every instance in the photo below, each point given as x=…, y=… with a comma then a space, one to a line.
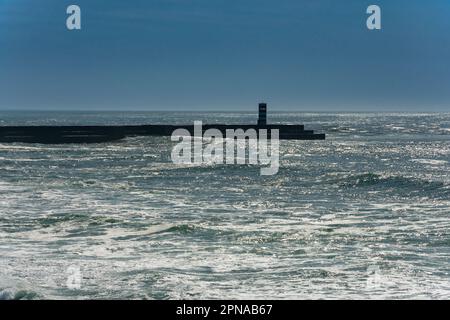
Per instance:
x=262, y=116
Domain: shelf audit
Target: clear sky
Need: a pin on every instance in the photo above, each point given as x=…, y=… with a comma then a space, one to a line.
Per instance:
x=305, y=55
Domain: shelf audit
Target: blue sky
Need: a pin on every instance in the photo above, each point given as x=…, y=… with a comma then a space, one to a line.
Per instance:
x=305, y=55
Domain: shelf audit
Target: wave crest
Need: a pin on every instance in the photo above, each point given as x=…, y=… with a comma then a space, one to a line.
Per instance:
x=395, y=183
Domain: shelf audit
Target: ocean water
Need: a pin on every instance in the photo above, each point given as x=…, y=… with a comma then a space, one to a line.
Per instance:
x=364, y=214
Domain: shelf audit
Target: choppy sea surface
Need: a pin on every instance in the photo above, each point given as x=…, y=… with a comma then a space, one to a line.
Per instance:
x=364, y=214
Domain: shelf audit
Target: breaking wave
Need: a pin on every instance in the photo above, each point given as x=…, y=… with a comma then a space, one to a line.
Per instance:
x=395, y=183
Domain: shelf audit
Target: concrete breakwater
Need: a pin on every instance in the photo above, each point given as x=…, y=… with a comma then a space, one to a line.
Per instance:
x=105, y=133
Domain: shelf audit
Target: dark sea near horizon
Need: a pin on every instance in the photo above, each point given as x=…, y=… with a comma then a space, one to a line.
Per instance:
x=364, y=214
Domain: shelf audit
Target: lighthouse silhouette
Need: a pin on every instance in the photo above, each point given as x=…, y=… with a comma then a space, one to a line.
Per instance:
x=262, y=115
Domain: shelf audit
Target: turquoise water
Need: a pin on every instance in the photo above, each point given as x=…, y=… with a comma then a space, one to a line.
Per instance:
x=364, y=214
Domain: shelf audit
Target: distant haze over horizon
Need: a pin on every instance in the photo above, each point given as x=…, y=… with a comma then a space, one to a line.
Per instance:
x=243, y=109
x=223, y=55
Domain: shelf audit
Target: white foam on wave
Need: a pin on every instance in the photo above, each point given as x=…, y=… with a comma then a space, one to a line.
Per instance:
x=123, y=232
x=430, y=161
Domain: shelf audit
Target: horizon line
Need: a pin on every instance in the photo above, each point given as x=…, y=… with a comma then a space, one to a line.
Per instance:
x=217, y=111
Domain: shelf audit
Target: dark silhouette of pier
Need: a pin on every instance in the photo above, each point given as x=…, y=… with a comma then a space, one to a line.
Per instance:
x=106, y=133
